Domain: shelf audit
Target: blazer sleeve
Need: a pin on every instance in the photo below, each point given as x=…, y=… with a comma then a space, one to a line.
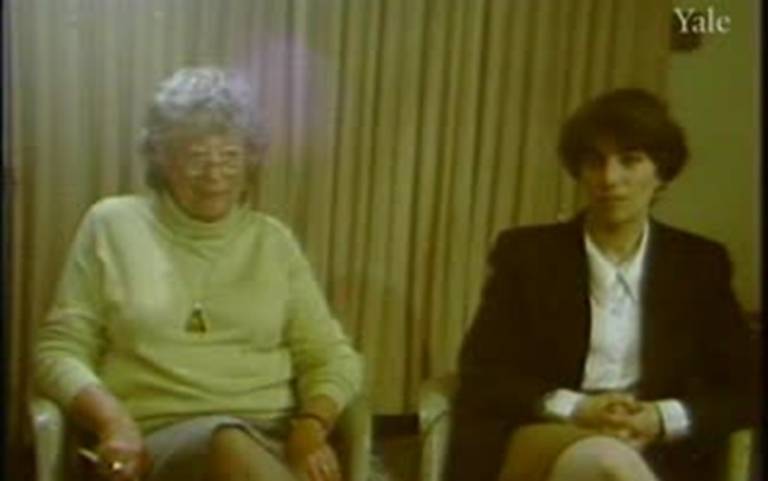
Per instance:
x=722, y=396
x=496, y=375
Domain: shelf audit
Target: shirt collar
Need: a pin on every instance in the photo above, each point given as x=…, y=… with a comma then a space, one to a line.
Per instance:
x=603, y=272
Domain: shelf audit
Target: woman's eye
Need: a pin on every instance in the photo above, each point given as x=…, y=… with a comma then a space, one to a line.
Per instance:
x=591, y=158
x=631, y=158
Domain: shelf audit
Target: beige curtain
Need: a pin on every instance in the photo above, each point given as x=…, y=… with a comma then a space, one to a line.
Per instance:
x=405, y=135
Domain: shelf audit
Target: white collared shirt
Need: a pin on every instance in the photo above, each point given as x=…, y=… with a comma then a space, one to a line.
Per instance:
x=614, y=346
x=613, y=360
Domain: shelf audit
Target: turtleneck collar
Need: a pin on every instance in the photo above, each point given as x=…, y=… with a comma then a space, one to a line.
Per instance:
x=171, y=214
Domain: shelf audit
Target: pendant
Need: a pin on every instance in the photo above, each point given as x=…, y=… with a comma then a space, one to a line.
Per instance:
x=196, y=321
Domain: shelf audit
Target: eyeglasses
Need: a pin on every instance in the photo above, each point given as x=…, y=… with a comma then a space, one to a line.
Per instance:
x=229, y=162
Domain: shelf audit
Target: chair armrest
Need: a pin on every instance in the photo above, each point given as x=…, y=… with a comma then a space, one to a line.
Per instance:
x=354, y=430
x=435, y=397
x=739, y=455
x=50, y=440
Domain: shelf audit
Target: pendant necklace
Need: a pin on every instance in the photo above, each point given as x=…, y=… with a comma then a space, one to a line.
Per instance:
x=197, y=322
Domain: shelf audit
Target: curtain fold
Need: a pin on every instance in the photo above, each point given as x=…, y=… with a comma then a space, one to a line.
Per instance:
x=405, y=135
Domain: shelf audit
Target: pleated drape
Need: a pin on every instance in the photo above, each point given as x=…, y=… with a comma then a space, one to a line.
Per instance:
x=404, y=135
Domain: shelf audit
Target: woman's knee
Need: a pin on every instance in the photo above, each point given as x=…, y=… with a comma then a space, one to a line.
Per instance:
x=234, y=455
x=610, y=456
x=228, y=455
x=604, y=458
x=229, y=439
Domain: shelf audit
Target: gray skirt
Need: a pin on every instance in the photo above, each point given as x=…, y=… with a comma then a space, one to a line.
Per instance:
x=179, y=452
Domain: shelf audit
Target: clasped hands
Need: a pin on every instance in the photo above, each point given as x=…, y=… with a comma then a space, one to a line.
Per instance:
x=620, y=415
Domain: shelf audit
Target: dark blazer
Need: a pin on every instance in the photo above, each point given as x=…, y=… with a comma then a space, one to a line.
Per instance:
x=531, y=335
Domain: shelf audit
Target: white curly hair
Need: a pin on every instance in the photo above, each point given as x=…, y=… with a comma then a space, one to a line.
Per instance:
x=198, y=101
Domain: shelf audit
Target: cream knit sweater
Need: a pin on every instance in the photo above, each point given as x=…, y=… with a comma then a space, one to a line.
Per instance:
x=180, y=318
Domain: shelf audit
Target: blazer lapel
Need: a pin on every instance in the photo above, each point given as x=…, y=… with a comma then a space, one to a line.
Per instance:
x=569, y=298
x=658, y=307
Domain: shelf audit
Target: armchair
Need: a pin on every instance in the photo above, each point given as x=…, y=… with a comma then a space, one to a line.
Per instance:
x=435, y=398
x=55, y=462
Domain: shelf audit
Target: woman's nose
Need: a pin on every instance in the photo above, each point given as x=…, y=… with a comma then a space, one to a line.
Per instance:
x=611, y=170
x=214, y=172
x=214, y=168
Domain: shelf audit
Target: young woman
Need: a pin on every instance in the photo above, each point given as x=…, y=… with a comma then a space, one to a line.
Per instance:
x=605, y=347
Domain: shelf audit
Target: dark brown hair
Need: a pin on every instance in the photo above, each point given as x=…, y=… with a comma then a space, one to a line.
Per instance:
x=634, y=119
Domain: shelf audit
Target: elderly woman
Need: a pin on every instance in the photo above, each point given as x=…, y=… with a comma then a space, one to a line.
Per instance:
x=188, y=335
x=606, y=347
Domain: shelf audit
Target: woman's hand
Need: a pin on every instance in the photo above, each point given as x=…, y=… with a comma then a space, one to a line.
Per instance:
x=620, y=415
x=605, y=411
x=645, y=425
x=308, y=451
x=122, y=455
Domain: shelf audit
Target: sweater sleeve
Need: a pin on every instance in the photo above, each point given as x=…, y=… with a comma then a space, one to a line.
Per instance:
x=70, y=337
x=323, y=357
